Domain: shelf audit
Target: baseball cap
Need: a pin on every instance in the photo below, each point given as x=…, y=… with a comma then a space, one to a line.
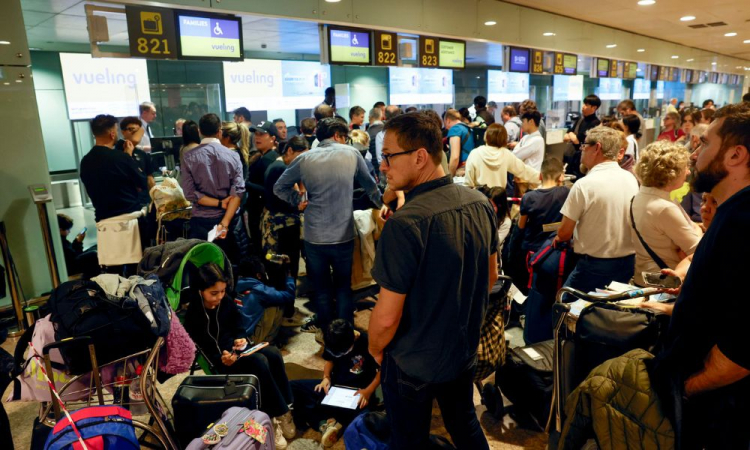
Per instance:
x=265, y=127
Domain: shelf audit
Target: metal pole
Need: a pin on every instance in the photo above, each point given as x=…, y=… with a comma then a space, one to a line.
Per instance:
x=48, y=248
x=15, y=295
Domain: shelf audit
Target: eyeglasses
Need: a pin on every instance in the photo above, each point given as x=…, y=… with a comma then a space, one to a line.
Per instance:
x=587, y=144
x=387, y=158
x=132, y=129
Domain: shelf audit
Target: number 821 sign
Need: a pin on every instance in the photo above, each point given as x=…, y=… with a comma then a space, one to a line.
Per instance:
x=151, y=32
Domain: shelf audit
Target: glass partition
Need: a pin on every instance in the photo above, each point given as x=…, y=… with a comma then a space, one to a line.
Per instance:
x=183, y=101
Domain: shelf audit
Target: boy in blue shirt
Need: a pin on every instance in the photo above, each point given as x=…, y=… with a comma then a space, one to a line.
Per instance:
x=542, y=206
x=262, y=306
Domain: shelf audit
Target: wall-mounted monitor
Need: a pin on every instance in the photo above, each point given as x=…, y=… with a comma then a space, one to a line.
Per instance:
x=209, y=36
x=641, y=89
x=96, y=86
x=420, y=86
x=570, y=64
x=567, y=88
x=602, y=67
x=507, y=87
x=519, y=60
x=261, y=84
x=659, y=90
x=452, y=54
x=349, y=46
x=610, y=89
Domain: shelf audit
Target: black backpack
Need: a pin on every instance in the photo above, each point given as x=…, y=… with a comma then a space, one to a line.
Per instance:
x=478, y=134
x=82, y=308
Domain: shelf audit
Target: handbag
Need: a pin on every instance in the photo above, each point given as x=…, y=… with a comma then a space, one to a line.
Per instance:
x=659, y=262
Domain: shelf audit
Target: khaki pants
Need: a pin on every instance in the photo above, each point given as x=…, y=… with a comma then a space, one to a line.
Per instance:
x=269, y=325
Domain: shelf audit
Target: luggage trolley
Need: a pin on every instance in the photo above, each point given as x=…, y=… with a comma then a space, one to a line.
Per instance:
x=159, y=426
x=172, y=224
x=565, y=370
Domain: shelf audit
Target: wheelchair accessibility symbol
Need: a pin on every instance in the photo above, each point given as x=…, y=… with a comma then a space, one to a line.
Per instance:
x=354, y=39
x=217, y=30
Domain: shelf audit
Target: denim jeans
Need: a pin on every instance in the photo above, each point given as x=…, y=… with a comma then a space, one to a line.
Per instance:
x=592, y=273
x=408, y=403
x=329, y=270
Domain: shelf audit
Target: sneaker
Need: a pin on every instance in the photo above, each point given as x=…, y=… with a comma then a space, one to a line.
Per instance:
x=310, y=325
x=319, y=337
x=331, y=434
x=279, y=436
x=286, y=423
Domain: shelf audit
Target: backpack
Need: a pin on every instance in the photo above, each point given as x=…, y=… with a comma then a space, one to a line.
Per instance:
x=478, y=134
x=371, y=431
x=82, y=308
x=107, y=427
x=549, y=268
x=235, y=418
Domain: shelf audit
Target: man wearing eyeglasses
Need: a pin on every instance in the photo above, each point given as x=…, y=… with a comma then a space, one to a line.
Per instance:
x=328, y=172
x=436, y=261
x=596, y=215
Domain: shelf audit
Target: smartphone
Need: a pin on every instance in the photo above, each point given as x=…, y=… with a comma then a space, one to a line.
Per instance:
x=657, y=279
x=253, y=349
x=83, y=230
x=303, y=196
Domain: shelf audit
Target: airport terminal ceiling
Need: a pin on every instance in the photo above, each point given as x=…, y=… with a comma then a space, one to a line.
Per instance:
x=60, y=25
x=700, y=24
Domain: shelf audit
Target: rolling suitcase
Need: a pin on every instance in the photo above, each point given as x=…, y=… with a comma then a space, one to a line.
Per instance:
x=202, y=398
x=238, y=429
x=526, y=380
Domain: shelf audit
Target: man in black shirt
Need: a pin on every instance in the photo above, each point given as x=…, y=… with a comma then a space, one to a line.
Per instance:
x=436, y=261
x=577, y=134
x=706, y=358
x=132, y=131
x=112, y=178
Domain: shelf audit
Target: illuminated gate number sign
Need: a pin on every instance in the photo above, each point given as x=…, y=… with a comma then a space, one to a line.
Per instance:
x=151, y=32
x=386, y=49
x=428, y=51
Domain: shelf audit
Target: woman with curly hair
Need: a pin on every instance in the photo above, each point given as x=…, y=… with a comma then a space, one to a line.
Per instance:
x=661, y=223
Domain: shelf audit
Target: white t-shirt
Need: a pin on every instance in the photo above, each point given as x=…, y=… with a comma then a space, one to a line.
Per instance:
x=599, y=203
x=632, y=145
x=531, y=150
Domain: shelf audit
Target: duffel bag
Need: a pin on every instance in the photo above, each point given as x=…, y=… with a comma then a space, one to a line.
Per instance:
x=237, y=429
x=526, y=380
x=608, y=330
x=82, y=308
x=106, y=427
x=202, y=398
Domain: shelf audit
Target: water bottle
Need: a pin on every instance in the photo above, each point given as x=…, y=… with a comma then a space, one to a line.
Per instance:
x=137, y=407
x=275, y=258
x=120, y=391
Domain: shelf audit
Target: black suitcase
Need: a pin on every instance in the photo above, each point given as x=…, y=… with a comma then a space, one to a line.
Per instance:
x=202, y=398
x=527, y=382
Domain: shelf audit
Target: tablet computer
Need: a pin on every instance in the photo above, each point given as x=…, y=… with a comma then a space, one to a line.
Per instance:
x=342, y=397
